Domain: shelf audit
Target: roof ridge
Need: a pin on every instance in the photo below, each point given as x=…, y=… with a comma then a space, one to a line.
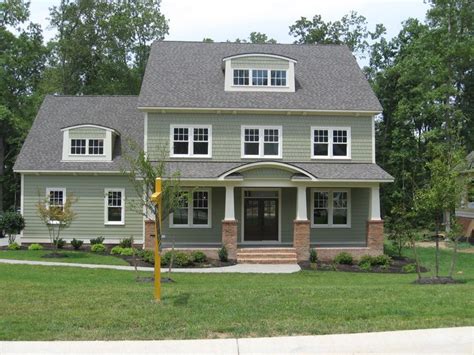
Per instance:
x=255, y=44
x=94, y=96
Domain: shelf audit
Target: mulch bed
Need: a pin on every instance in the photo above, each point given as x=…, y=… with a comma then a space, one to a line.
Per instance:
x=54, y=255
x=207, y=264
x=396, y=267
x=437, y=281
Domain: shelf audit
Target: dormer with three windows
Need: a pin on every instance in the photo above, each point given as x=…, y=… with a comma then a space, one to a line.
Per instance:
x=88, y=143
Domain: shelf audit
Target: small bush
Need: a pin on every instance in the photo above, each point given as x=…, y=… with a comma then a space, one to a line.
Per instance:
x=383, y=260
x=117, y=250
x=60, y=243
x=126, y=242
x=12, y=223
x=343, y=258
x=98, y=248
x=147, y=256
x=198, y=257
x=127, y=252
x=98, y=240
x=13, y=246
x=313, y=256
x=409, y=268
x=365, y=265
x=223, y=255
x=77, y=244
x=366, y=259
x=35, y=246
x=180, y=259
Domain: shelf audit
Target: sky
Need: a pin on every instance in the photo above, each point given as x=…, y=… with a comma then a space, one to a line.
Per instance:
x=193, y=20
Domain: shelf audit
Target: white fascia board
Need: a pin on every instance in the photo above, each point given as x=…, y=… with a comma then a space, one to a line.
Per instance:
x=68, y=172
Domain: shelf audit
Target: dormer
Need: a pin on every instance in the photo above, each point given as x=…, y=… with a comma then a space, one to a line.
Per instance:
x=88, y=143
x=259, y=72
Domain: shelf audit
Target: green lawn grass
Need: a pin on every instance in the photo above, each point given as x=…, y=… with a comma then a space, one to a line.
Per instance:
x=72, y=257
x=58, y=303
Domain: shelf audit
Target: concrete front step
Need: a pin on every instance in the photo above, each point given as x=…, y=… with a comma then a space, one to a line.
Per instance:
x=265, y=261
x=267, y=250
x=266, y=255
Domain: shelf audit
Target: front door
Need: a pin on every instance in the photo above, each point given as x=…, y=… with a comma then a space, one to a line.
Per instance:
x=260, y=216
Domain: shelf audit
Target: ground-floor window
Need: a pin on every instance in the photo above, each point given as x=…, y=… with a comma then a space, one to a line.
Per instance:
x=193, y=211
x=115, y=206
x=331, y=208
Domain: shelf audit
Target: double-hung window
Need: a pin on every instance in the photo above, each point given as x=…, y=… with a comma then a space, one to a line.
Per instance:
x=87, y=146
x=331, y=208
x=191, y=141
x=330, y=143
x=259, y=77
x=55, y=199
x=241, y=77
x=193, y=211
x=261, y=142
x=115, y=206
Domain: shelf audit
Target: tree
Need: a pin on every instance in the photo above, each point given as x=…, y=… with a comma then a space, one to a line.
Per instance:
x=256, y=38
x=12, y=223
x=350, y=30
x=56, y=218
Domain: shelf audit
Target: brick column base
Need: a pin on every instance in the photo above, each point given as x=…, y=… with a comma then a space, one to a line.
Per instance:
x=375, y=235
x=301, y=239
x=149, y=234
x=229, y=238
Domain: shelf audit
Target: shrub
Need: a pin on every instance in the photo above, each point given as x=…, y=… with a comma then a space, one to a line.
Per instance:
x=98, y=248
x=198, y=257
x=59, y=243
x=12, y=223
x=126, y=242
x=365, y=265
x=147, y=256
x=343, y=258
x=35, y=246
x=98, y=240
x=180, y=259
x=409, y=268
x=383, y=260
x=117, y=250
x=313, y=256
x=223, y=255
x=13, y=246
x=126, y=251
x=76, y=244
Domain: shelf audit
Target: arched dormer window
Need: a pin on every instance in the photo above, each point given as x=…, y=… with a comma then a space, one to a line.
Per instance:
x=88, y=142
x=259, y=72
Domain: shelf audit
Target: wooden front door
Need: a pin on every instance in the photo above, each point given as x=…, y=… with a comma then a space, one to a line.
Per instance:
x=260, y=219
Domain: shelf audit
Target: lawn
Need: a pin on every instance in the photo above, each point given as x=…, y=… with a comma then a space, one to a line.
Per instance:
x=72, y=257
x=57, y=303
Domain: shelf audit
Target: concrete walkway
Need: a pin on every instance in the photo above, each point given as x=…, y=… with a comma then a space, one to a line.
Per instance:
x=426, y=341
x=239, y=268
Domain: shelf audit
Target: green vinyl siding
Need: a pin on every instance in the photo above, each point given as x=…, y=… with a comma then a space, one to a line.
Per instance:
x=87, y=133
x=226, y=133
x=90, y=207
x=259, y=63
x=355, y=236
x=267, y=173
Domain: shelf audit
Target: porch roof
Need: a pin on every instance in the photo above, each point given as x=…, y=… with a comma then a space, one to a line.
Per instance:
x=318, y=170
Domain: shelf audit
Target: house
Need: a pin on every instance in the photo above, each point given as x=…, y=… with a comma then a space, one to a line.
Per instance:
x=465, y=212
x=276, y=140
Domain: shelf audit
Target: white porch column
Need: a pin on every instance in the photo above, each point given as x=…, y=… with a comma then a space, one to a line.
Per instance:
x=229, y=204
x=374, y=205
x=301, y=206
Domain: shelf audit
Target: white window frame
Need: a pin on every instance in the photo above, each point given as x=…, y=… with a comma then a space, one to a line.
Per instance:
x=87, y=147
x=269, y=78
x=48, y=193
x=191, y=141
x=106, y=207
x=331, y=143
x=261, y=142
x=190, y=212
x=330, y=192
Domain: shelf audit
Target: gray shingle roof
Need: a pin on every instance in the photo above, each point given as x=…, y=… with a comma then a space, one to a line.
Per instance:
x=42, y=149
x=332, y=171
x=190, y=74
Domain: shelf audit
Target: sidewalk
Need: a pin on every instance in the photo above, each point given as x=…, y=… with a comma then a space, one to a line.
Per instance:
x=239, y=268
x=432, y=341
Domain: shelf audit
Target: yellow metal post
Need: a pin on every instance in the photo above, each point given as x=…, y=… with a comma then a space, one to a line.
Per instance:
x=156, y=199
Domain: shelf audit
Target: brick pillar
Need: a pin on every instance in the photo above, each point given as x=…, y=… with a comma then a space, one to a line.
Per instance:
x=229, y=238
x=301, y=239
x=149, y=234
x=375, y=235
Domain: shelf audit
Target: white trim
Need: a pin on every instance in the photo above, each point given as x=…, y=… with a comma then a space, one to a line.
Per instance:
x=259, y=55
x=373, y=139
x=22, y=200
x=191, y=129
x=330, y=192
x=261, y=142
x=330, y=155
x=242, y=232
x=270, y=164
x=296, y=111
x=145, y=133
x=229, y=211
x=374, y=204
x=269, y=78
x=464, y=213
x=106, y=205
x=48, y=196
x=87, y=154
x=90, y=126
x=190, y=213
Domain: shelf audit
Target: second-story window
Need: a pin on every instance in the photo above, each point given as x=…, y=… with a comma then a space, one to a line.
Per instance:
x=259, y=77
x=78, y=146
x=191, y=141
x=331, y=143
x=263, y=142
x=87, y=146
x=278, y=78
x=241, y=77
